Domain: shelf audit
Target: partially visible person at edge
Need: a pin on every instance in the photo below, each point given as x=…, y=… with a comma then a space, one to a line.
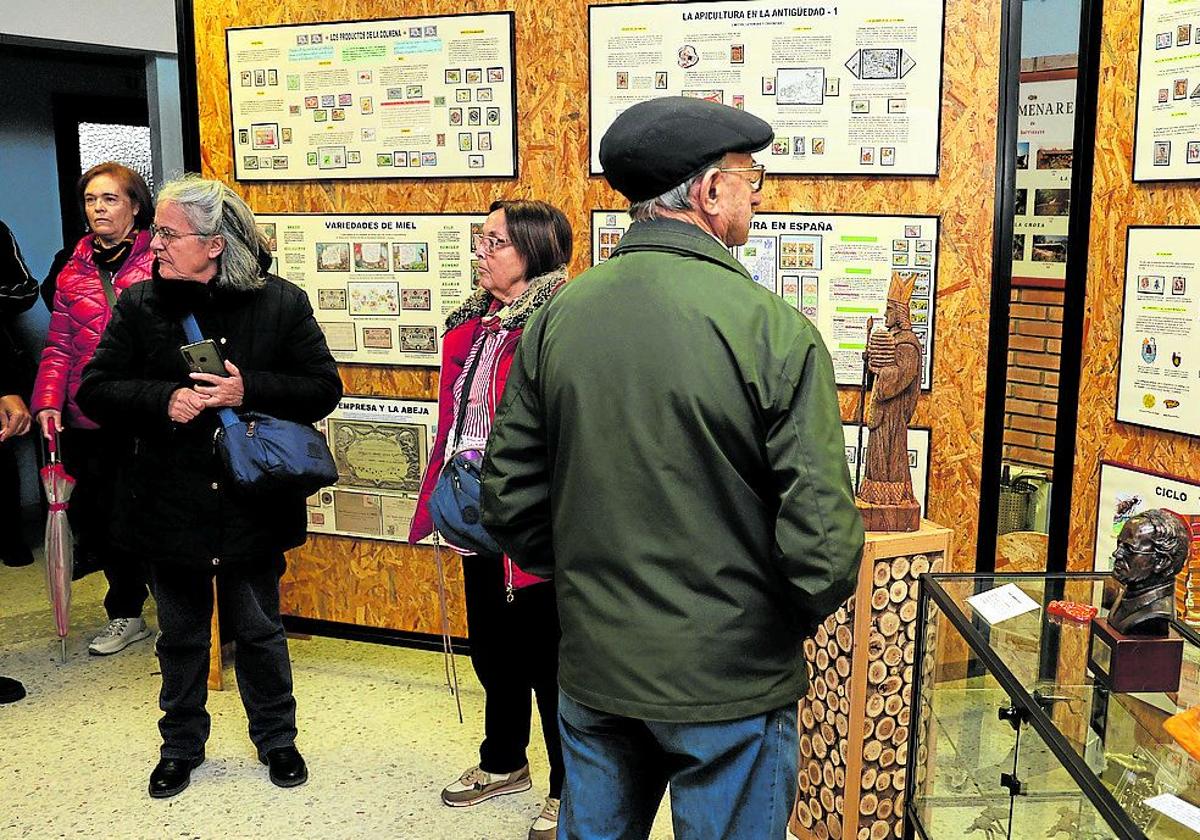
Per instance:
x=182, y=516
x=18, y=291
x=15, y=283
x=670, y=450
x=511, y=618
x=114, y=256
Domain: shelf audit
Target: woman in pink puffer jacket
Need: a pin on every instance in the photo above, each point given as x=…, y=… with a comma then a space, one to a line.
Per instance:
x=107, y=261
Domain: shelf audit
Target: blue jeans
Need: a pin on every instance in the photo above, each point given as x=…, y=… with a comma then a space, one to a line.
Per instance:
x=729, y=779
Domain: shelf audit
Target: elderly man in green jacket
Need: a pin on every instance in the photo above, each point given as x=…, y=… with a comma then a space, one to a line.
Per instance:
x=669, y=448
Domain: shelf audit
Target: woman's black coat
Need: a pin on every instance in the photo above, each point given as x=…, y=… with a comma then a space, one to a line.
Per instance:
x=175, y=504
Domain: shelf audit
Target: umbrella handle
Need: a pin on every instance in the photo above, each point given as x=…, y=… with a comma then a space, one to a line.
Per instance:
x=52, y=441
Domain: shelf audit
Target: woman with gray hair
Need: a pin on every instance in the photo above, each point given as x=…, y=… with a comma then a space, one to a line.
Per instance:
x=185, y=519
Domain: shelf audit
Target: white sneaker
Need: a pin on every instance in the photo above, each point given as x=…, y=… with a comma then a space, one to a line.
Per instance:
x=545, y=827
x=118, y=635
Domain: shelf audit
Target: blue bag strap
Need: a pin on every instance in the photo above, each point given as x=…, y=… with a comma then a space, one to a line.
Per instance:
x=191, y=331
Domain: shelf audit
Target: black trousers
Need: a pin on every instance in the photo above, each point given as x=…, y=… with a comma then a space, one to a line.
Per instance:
x=12, y=532
x=248, y=599
x=93, y=457
x=514, y=648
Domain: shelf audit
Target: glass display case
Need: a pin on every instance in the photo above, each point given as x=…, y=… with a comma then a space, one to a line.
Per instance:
x=1017, y=737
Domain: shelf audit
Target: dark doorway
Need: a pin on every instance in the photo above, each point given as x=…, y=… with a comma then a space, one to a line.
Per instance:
x=90, y=130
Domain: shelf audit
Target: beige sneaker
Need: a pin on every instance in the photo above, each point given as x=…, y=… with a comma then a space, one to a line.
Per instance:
x=476, y=785
x=545, y=827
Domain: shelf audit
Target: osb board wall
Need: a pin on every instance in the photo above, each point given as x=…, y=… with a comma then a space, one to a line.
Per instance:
x=1116, y=203
x=394, y=585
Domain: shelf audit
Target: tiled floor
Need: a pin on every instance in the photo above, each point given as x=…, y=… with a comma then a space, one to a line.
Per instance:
x=377, y=726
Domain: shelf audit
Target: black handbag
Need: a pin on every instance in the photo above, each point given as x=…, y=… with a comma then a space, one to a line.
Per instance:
x=265, y=455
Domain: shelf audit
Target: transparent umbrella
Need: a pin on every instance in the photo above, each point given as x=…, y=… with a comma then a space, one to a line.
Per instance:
x=60, y=552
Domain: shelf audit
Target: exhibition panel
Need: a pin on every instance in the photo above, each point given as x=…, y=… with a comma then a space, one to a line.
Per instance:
x=1151, y=428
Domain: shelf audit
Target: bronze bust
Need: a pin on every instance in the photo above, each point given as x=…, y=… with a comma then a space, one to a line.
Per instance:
x=1151, y=550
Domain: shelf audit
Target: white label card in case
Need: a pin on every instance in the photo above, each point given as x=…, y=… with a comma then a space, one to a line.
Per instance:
x=1002, y=603
x=1184, y=813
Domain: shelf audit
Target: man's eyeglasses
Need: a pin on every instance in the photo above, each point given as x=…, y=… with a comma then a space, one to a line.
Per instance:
x=489, y=244
x=168, y=236
x=755, y=181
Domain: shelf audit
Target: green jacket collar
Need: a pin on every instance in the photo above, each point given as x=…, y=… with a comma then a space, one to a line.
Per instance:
x=674, y=236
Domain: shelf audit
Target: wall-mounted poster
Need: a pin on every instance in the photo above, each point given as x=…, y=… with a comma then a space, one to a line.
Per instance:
x=1159, y=380
x=429, y=97
x=848, y=90
x=381, y=447
x=834, y=268
x=1045, y=135
x=918, y=457
x=1166, y=137
x=1125, y=491
x=381, y=286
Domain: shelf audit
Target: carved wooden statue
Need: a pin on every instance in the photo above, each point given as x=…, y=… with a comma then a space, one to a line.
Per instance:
x=885, y=496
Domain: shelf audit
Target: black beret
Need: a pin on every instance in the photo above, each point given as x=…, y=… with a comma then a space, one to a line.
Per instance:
x=657, y=144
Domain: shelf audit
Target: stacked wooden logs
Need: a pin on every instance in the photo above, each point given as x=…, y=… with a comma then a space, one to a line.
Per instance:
x=854, y=722
x=825, y=725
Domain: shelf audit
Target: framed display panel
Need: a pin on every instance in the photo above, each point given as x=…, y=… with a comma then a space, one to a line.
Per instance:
x=835, y=268
x=1126, y=491
x=419, y=97
x=381, y=448
x=918, y=457
x=1042, y=203
x=848, y=91
x=1166, y=135
x=1158, y=381
x=380, y=285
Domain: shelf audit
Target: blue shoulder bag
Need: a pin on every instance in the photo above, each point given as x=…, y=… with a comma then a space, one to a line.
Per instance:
x=265, y=455
x=454, y=504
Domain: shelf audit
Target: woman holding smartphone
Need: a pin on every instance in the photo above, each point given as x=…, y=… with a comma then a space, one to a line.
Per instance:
x=183, y=516
x=111, y=258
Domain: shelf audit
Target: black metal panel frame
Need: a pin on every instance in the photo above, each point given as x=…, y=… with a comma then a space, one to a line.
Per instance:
x=1078, y=233
x=189, y=93
x=374, y=635
x=1002, y=232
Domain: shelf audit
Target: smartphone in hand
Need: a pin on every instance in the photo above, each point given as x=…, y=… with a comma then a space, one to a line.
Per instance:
x=204, y=357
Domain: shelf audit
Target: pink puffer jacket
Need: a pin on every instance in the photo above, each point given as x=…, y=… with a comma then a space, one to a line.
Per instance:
x=80, y=315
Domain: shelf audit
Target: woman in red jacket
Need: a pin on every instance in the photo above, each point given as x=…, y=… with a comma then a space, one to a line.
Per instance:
x=512, y=620
x=107, y=261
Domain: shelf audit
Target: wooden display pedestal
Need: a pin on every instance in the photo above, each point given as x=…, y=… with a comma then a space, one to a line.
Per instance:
x=1134, y=663
x=854, y=721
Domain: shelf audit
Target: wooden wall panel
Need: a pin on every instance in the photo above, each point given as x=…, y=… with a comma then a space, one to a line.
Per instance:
x=392, y=585
x=1116, y=203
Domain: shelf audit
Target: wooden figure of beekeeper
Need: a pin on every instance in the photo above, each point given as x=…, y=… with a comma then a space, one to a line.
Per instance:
x=885, y=496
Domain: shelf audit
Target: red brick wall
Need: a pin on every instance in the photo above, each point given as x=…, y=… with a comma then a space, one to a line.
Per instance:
x=1034, y=345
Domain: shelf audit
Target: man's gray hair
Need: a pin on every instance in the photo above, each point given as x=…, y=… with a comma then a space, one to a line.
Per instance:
x=214, y=209
x=676, y=198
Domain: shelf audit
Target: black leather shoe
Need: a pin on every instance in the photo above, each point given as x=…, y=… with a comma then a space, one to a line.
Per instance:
x=11, y=690
x=172, y=775
x=16, y=555
x=286, y=765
